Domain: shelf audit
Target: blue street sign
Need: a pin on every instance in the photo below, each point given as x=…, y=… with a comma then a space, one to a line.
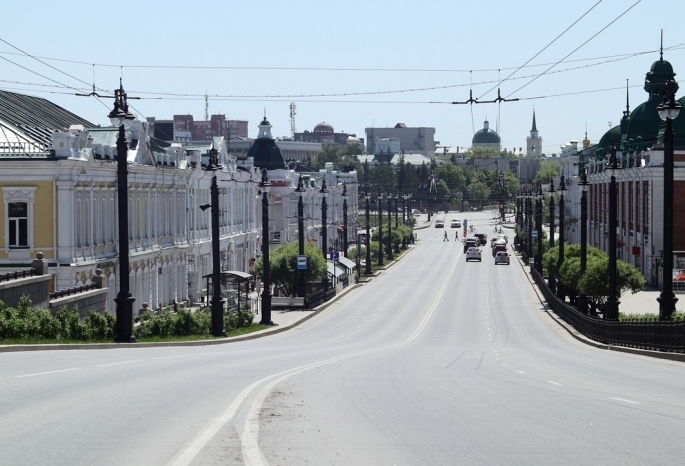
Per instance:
x=335, y=256
x=301, y=262
x=535, y=234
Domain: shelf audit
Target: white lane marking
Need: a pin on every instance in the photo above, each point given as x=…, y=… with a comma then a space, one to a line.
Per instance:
x=626, y=401
x=47, y=373
x=553, y=383
x=174, y=357
x=520, y=372
x=503, y=364
x=216, y=352
x=118, y=363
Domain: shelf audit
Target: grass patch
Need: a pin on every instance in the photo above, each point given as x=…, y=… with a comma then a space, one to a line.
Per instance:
x=648, y=317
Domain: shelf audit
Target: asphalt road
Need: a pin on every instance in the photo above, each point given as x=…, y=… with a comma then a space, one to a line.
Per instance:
x=435, y=362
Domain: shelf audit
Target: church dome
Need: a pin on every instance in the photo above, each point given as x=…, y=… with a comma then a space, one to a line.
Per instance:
x=485, y=136
x=323, y=127
x=655, y=80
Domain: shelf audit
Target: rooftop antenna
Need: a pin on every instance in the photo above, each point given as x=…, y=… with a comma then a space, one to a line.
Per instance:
x=610, y=125
x=627, y=112
x=206, y=107
x=292, y=119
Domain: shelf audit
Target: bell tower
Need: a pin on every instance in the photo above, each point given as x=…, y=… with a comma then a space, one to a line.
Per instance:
x=534, y=141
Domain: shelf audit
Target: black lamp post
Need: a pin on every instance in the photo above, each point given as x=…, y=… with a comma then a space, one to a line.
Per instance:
x=301, y=282
x=344, y=196
x=529, y=216
x=582, y=299
x=391, y=256
x=124, y=300
x=367, y=197
x=380, y=228
x=324, y=219
x=612, y=300
x=217, y=303
x=395, y=197
x=561, y=292
x=538, y=224
x=264, y=188
x=405, y=216
x=668, y=111
x=551, y=279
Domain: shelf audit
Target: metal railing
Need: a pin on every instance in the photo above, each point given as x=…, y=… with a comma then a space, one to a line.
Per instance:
x=18, y=274
x=650, y=335
x=74, y=290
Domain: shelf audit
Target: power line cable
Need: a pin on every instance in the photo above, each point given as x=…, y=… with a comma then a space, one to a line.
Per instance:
x=577, y=48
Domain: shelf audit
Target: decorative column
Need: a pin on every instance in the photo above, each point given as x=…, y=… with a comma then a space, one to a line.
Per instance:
x=612, y=300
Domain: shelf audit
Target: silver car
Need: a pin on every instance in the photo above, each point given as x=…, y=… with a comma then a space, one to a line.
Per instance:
x=473, y=254
x=501, y=258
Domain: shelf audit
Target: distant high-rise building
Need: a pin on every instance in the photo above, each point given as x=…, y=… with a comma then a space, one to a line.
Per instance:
x=184, y=128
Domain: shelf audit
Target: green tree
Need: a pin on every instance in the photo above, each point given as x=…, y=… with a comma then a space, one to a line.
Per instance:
x=478, y=193
x=481, y=152
x=283, y=266
x=330, y=152
x=595, y=282
x=548, y=169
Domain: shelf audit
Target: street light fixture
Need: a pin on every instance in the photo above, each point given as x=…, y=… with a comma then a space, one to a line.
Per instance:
x=124, y=300
x=561, y=291
x=367, y=198
x=582, y=298
x=538, y=224
x=217, y=303
x=612, y=300
x=380, y=228
x=344, y=196
x=668, y=111
x=390, y=252
x=301, y=282
x=551, y=279
x=324, y=219
x=264, y=188
x=529, y=216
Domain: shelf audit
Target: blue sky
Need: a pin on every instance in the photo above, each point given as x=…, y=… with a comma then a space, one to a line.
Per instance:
x=364, y=49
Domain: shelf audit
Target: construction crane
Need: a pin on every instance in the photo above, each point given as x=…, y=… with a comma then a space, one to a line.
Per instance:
x=292, y=119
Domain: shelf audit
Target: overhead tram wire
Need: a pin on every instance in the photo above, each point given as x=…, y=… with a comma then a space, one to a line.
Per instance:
x=543, y=49
x=578, y=48
x=399, y=70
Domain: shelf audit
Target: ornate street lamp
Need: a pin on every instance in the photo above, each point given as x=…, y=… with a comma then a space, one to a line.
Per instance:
x=301, y=282
x=395, y=198
x=582, y=299
x=561, y=291
x=551, y=279
x=390, y=252
x=405, y=215
x=668, y=111
x=538, y=224
x=367, y=198
x=124, y=300
x=264, y=188
x=380, y=228
x=324, y=220
x=344, y=196
x=217, y=303
x=529, y=216
x=612, y=300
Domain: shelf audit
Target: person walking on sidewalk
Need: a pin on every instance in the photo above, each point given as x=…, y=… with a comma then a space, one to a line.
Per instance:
x=445, y=238
x=456, y=236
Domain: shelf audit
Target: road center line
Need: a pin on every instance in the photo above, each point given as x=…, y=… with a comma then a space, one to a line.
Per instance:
x=174, y=357
x=117, y=363
x=553, y=383
x=47, y=373
x=626, y=401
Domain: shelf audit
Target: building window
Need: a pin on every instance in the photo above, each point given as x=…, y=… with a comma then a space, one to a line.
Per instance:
x=17, y=212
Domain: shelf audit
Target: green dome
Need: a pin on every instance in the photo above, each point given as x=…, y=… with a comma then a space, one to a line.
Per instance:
x=610, y=138
x=485, y=136
x=655, y=80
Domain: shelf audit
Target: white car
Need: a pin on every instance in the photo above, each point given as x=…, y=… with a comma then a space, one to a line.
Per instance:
x=455, y=223
x=473, y=254
x=502, y=258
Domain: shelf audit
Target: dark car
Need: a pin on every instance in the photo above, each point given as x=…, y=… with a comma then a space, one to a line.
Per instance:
x=482, y=238
x=470, y=243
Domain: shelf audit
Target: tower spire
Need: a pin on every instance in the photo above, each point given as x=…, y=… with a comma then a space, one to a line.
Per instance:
x=535, y=128
x=627, y=99
x=661, y=50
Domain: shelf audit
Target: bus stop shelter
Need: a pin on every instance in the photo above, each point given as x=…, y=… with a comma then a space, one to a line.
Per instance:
x=235, y=288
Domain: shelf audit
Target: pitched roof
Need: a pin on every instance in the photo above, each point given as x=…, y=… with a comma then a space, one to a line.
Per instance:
x=28, y=122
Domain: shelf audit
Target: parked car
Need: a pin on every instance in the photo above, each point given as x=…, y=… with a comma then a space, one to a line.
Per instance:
x=498, y=247
x=482, y=238
x=455, y=223
x=502, y=257
x=473, y=254
x=439, y=224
